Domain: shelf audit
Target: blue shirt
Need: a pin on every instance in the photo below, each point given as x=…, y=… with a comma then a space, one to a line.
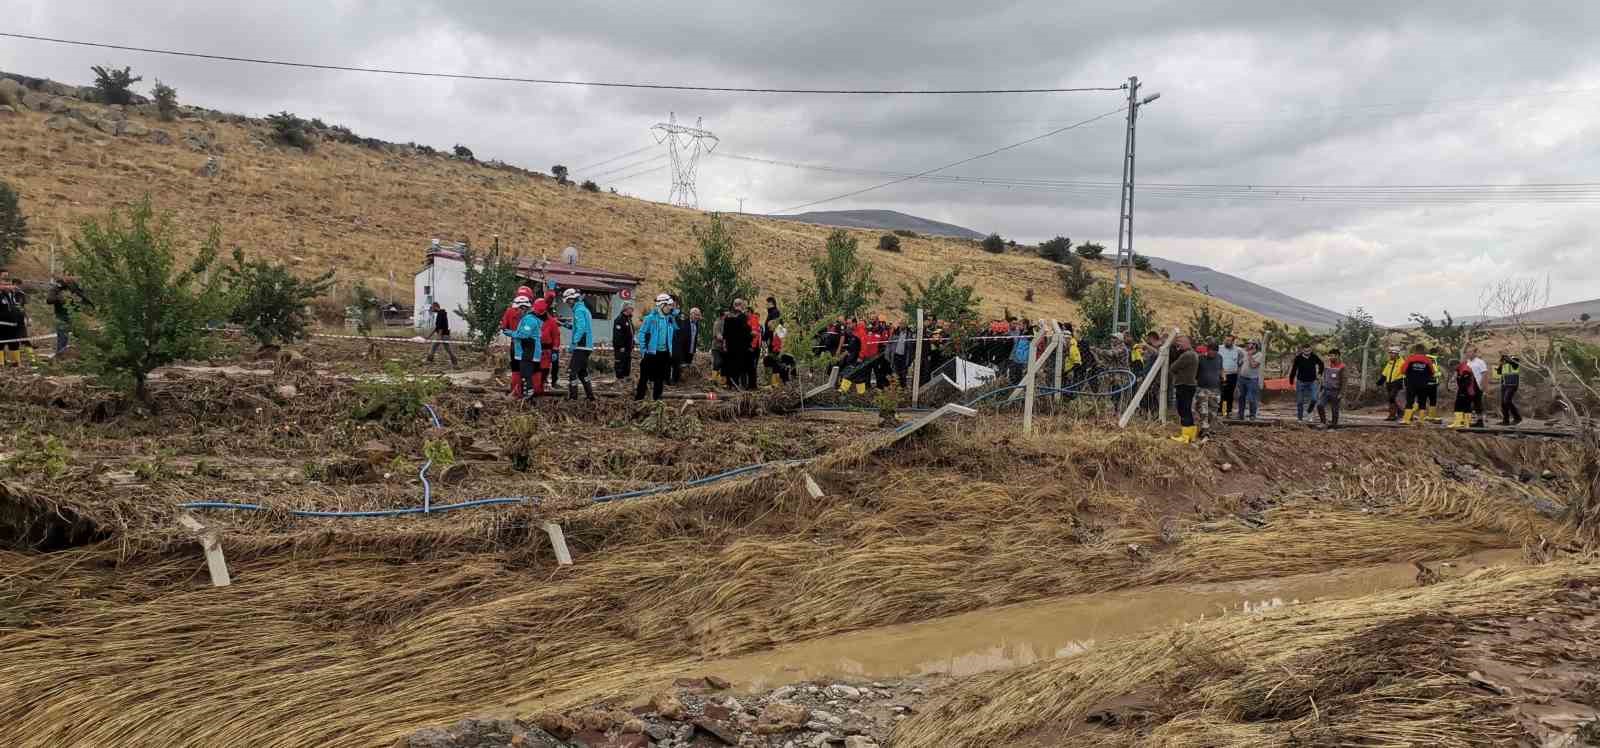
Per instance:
x=582, y=327
x=527, y=332
x=655, y=334
x=1019, y=349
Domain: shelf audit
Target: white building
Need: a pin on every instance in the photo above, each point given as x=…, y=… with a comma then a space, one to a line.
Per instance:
x=443, y=279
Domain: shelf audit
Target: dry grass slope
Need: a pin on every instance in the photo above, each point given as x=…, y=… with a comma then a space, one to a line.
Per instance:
x=367, y=212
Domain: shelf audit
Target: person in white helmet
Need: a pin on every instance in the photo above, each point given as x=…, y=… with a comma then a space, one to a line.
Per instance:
x=654, y=341
x=582, y=345
x=525, y=346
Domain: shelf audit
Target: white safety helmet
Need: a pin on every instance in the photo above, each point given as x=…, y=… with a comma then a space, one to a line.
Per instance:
x=663, y=299
x=521, y=302
x=570, y=295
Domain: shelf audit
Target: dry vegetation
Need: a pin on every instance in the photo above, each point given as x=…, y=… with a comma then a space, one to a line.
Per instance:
x=356, y=633
x=367, y=212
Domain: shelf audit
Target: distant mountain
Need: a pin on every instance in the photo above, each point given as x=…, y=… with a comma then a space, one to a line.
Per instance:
x=1255, y=297
x=1560, y=312
x=887, y=220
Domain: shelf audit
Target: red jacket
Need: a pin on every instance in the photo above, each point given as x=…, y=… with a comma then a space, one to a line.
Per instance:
x=871, y=344
x=509, y=320
x=549, y=337
x=755, y=332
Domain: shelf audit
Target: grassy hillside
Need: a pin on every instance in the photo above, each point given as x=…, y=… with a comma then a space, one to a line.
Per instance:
x=370, y=212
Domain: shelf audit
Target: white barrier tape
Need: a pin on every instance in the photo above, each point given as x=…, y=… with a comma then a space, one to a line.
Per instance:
x=27, y=340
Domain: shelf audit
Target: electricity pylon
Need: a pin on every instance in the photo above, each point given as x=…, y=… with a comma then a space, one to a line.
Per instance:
x=684, y=145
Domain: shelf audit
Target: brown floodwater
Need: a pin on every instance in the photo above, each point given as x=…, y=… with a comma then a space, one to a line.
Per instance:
x=1017, y=635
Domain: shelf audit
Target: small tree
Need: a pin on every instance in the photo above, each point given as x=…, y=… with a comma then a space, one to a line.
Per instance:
x=290, y=130
x=1207, y=325
x=1090, y=251
x=1075, y=277
x=464, y=152
x=589, y=186
x=491, y=285
x=1096, y=307
x=841, y=282
x=268, y=300
x=943, y=297
x=1140, y=262
x=1058, y=249
x=363, y=306
x=718, y=276
x=1354, y=332
x=166, y=100
x=993, y=244
x=149, y=309
x=1451, y=334
x=13, y=225
x=560, y=173
x=115, y=86
x=889, y=243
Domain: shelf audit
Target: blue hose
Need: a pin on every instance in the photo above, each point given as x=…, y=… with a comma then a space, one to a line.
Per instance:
x=368, y=513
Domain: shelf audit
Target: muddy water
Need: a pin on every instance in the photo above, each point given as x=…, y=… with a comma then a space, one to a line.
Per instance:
x=1013, y=636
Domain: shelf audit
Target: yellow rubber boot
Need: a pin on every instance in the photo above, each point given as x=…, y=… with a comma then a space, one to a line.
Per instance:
x=777, y=381
x=16, y=358
x=1187, y=435
x=1406, y=417
x=844, y=387
x=861, y=388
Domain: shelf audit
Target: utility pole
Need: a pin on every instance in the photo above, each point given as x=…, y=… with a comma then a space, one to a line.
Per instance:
x=1122, y=309
x=741, y=206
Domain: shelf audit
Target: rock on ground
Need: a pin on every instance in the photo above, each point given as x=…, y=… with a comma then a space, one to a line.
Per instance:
x=483, y=733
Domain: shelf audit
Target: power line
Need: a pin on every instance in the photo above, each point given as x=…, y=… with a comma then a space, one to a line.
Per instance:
x=625, y=167
x=639, y=174
x=953, y=164
x=550, y=81
x=615, y=158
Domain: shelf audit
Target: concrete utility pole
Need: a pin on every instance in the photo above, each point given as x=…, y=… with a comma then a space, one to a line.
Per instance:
x=741, y=206
x=1122, y=310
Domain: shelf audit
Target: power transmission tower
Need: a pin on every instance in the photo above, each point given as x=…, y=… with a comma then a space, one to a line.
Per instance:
x=1122, y=309
x=685, y=145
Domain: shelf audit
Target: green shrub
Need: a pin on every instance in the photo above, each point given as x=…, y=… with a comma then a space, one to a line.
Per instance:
x=464, y=152
x=889, y=243
x=1058, y=249
x=13, y=225
x=1140, y=262
x=397, y=398
x=1090, y=251
x=114, y=86
x=1075, y=278
x=166, y=100
x=290, y=131
x=993, y=244
x=907, y=233
x=589, y=186
x=268, y=300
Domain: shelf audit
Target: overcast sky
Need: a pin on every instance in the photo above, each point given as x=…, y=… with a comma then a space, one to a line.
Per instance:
x=1279, y=92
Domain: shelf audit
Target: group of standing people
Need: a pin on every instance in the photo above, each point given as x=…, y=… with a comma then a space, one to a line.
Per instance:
x=535, y=331
x=1412, y=386
x=667, y=341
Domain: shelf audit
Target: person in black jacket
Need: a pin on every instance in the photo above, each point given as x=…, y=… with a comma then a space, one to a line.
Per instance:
x=622, y=342
x=441, y=328
x=685, y=339
x=736, y=347
x=1304, y=372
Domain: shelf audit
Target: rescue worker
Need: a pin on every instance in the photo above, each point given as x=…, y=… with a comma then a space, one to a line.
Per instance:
x=622, y=343
x=1432, y=391
x=1393, y=381
x=508, y=326
x=582, y=345
x=753, y=355
x=1467, y=393
x=1418, y=368
x=552, y=351
x=779, y=364
x=13, y=321
x=525, y=348
x=1509, y=374
x=1020, y=343
x=1333, y=380
x=549, y=346
x=1184, y=371
x=654, y=340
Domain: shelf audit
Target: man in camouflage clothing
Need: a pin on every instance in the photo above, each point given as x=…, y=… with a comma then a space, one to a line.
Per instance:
x=1208, y=396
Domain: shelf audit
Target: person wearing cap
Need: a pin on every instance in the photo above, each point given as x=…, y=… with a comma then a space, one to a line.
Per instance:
x=549, y=346
x=508, y=326
x=1333, y=380
x=622, y=343
x=582, y=345
x=441, y=327
x=654, y=340
x=525, y=348
x=1208, y=387
x=1393, y=380
x=1184, y=371
x=1250, y=382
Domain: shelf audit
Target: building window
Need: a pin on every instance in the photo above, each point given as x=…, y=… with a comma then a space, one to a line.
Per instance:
x=599, y=305
x=427, y=291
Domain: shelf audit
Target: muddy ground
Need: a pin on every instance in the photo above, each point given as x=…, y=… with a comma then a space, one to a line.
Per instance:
x=367, y=631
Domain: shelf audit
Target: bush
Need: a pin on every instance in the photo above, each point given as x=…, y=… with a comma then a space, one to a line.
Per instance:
x=268, y=300
x=1205, y=325
x=491, y=285
x=13, y=225
x=889, y=243
x=464, y=152
x=166, y=100
x=149, y=310
x=1058, y=249
x=1096, y=306
x=363, y=307
x=396, y=399
x=907, y=234
x=1090, y=251
x=589, y=186
x=1075, y=278
x=1140, y=262
x=994, y=244
x=943, y=297
x=114, y=86
x=290, y=130
x=560, y=173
